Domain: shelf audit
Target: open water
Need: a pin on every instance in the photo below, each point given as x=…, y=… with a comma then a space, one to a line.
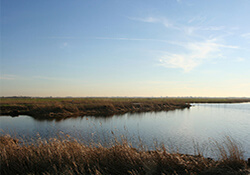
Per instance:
x=184, y=130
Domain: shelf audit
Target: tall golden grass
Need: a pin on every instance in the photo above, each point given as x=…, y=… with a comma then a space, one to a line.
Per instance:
x=69, y=156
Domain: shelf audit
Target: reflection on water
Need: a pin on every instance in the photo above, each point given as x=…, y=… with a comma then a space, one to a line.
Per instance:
x=179, y=127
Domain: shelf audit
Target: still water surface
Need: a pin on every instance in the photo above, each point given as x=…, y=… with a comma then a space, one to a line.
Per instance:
x=182, y=128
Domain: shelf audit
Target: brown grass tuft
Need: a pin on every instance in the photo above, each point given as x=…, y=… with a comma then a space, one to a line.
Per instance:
x=69, y=156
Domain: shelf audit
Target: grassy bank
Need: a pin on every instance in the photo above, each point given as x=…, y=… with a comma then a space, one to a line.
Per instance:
x=68, y=107
x=60, y=108
x=69, y=156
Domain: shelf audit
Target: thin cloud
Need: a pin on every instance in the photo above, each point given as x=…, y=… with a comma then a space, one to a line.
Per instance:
x=197, y=53
x=187, y=29
x=49, y=78
x=240, y=59
x=213, y=28
x=64, y=45
x=197, y=19
x=246, y=35
x=8, y=77
x=148, y=19
x=163, y=21
x=126, y=39
x=199, y=23
x=131, y=39
x=61, y=37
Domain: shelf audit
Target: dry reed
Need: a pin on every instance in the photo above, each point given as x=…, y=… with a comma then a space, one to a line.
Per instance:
x=69, y=156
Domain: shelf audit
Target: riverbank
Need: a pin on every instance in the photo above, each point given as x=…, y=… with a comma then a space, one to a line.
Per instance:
x=61, y=108
x=69, y=156
x=58, y=108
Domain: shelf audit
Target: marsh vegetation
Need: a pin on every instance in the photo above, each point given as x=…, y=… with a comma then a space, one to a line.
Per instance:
x=67, y=155
x=69, y=107
x=70, y=155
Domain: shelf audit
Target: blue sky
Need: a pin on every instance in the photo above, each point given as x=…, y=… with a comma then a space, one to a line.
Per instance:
x=125, y=48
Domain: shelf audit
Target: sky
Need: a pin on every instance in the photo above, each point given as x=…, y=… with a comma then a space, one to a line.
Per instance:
x=110, y=48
